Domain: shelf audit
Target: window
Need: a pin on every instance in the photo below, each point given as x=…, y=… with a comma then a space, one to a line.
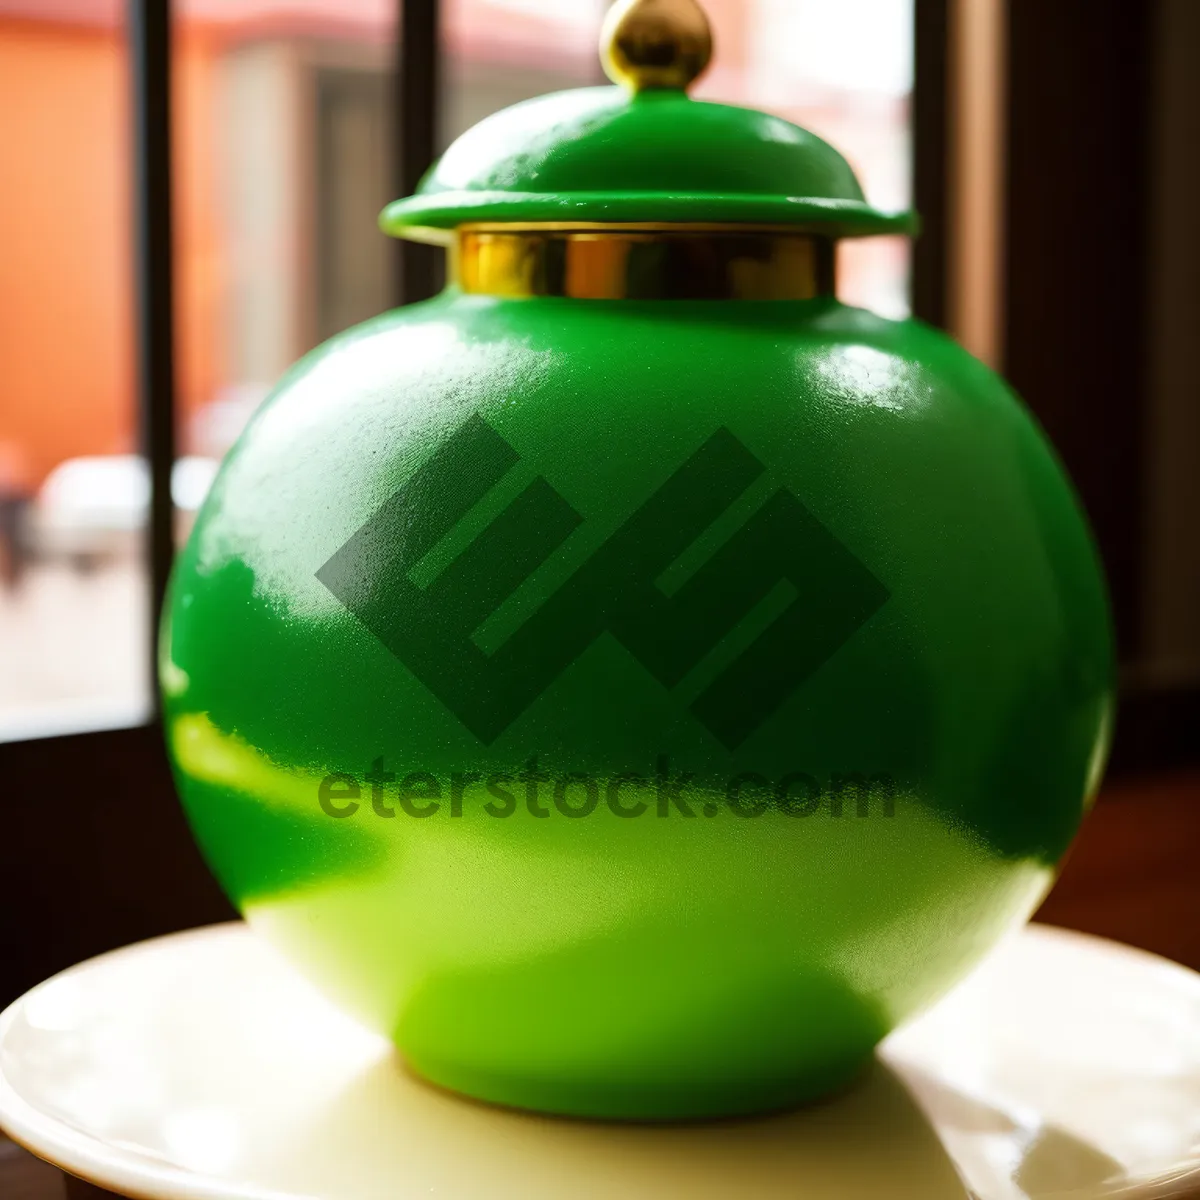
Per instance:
x=282, y=154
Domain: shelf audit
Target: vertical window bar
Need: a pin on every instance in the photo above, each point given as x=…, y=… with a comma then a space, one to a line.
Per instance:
x=930, y=159
x=416, y=125
x=150, y=63
x=1077, y=209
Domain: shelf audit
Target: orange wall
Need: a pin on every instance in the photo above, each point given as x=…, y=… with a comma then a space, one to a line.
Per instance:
x=66, y=276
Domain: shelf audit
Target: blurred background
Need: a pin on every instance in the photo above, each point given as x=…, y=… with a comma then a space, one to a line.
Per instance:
x=283, y=137
x=1049, y=145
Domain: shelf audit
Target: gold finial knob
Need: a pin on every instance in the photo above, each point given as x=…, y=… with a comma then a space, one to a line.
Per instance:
x=655, y=43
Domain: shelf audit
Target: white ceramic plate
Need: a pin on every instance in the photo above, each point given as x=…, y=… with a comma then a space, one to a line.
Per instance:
x=199, y=1067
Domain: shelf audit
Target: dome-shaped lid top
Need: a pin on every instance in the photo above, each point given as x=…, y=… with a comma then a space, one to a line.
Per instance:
x=640, y=153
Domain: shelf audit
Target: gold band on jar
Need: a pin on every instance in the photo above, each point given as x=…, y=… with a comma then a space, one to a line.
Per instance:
x=643, y=262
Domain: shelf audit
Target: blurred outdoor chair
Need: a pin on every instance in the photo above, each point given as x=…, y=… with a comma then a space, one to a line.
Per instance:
x=90, y=510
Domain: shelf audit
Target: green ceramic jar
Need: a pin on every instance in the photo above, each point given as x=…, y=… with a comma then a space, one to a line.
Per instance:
x=633, y=680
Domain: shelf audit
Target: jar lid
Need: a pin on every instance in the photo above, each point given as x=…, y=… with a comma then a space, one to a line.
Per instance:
x=640, y=153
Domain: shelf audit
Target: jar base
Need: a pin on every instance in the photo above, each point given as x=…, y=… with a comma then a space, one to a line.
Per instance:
x=644, y=1101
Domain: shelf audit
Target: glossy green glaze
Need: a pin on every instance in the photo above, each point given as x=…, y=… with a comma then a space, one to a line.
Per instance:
x=706, y=558
x=596, y=154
